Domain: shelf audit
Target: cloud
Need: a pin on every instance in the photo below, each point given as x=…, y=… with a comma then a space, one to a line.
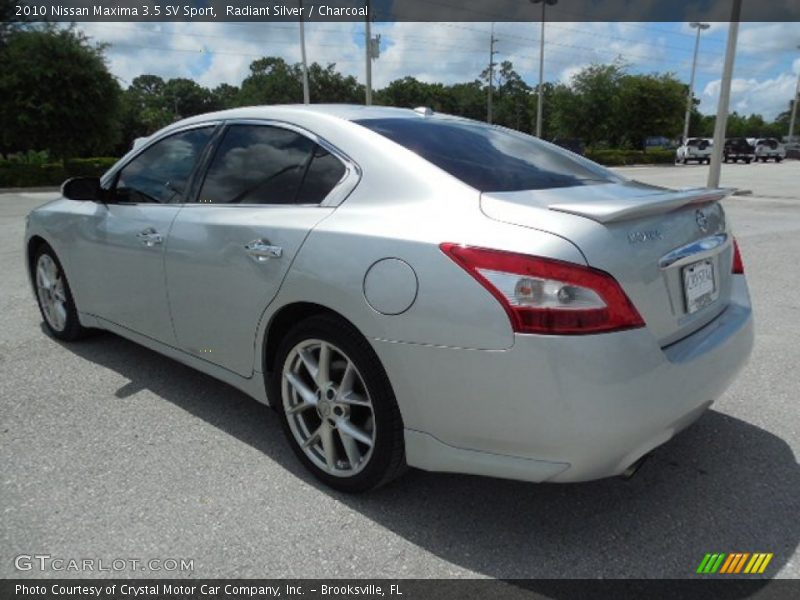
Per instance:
x=217, y=52
x=767, y=97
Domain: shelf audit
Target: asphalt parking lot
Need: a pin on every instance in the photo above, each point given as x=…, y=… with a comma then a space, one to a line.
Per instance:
x=111, y=451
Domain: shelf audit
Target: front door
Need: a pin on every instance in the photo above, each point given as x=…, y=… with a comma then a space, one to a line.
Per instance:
x=123, y=242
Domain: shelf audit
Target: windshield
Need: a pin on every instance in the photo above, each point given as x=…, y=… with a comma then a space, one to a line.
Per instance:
x=490, y=159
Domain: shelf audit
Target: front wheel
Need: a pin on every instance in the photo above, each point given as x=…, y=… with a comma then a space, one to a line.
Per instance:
x=54, y=297
x=778, y=159
x=337, y=406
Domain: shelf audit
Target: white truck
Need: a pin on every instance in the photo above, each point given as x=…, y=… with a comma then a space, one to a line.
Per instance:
x=769, y=148
x=698, y=149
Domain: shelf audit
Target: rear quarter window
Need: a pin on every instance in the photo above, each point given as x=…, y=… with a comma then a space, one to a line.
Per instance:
x=490, y=159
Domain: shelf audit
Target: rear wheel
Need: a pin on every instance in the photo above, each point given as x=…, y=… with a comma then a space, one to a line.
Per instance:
x=778, y=159
x=337, y=406
x=54, y=297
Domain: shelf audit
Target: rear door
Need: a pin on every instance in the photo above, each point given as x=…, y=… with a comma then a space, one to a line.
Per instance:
x=265, y=189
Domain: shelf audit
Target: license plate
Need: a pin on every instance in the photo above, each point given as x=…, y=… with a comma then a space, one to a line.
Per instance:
x=699, y=285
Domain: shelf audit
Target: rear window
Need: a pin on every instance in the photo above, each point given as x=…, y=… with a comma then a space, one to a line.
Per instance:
x=488, y=158
x=700, y=143
x=771, y=143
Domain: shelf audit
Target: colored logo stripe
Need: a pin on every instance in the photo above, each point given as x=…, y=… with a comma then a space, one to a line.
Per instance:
x=711, y=562
x=735, y=563
x=758, y=563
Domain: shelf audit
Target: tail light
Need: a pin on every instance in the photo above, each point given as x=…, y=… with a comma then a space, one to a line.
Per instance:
x=738, y=265
x=543, y=295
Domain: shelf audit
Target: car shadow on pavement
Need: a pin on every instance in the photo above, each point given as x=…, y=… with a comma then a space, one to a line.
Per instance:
x=723, y=485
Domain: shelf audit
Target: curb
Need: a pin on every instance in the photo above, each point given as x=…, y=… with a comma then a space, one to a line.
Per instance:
x=22, y=190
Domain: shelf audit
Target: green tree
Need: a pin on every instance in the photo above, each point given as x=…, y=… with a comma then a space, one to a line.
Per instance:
x=589, y=107
x=225, y=96
x=468, y=100
x=651, y=105
x=186, y=98
x=513, y=107
x=409, y=92
x=326, y=84
x=144, y=109
x=272, y=81
x=57, y=94
x=9, y=21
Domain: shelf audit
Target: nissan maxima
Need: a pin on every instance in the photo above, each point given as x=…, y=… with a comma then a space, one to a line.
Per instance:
x=407, y=289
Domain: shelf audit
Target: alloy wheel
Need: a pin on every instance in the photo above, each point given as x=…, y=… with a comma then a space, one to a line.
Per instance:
x=328, y=407
x=51, y=293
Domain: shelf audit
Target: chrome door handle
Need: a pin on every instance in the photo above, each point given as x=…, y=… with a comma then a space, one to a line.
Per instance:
x=150, y=237
x=262, y=250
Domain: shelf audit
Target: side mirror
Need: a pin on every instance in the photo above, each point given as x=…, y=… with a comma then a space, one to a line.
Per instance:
x=82, y=188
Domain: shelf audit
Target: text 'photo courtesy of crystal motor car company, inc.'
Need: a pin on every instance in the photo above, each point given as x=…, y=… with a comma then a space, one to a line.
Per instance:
x=407, y=289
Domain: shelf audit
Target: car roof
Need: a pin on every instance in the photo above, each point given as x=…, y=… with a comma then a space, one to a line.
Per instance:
x=347, y=112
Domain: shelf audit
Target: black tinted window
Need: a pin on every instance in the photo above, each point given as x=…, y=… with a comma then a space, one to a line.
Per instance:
x=324, y=172
x=257, y=165
x=161, y=173
x=489, y=158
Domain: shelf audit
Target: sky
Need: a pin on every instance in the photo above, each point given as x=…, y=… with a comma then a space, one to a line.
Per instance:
x=765, y=73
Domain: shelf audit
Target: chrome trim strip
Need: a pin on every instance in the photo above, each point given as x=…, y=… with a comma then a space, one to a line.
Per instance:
x=697, y=250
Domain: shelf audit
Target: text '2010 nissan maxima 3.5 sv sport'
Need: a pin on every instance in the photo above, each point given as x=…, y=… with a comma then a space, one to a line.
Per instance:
x=407, y=288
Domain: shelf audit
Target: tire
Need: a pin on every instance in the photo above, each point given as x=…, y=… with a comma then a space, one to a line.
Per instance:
x=725, y=158
x=54, y=296
x=350, y=440
x=778, y=159
x=686, y=161
x=747, y=161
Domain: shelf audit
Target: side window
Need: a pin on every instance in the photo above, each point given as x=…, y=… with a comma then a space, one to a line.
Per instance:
x=258, y=164
x=160, y=173
x=324, y=172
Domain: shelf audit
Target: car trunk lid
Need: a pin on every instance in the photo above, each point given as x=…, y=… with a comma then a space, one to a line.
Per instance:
x=661, y=245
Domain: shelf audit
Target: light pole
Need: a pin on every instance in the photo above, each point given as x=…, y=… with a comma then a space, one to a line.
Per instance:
x=540, y=100
x=794, y=107
x=492, y=52
x=700, y=27
x=724, y=97
x=306, y=93
x=368, y=50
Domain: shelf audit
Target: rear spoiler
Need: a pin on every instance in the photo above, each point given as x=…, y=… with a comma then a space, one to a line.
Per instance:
x=623, y=209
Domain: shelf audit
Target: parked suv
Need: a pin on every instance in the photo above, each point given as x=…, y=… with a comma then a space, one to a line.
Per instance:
x=738, y=149
x=767, y=148
x=698, y=149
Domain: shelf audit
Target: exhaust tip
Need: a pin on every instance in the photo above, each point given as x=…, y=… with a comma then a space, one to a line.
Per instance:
x=634, y=468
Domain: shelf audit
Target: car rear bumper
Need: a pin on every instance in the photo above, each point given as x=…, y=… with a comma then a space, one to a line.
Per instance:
x=562, y=408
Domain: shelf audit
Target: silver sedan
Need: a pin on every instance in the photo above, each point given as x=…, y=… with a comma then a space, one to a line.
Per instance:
x=407, y=288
